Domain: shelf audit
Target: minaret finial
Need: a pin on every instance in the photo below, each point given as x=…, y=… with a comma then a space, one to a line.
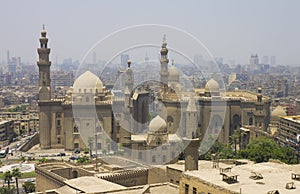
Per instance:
x=128, y=63
x=43, y=26
x=164, y=38
x=172, y=62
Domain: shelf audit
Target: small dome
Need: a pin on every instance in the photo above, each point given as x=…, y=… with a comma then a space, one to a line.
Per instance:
x=173, y=74
x=157, y=124
x=86, y=82
x=278, y=112
x=212, y=86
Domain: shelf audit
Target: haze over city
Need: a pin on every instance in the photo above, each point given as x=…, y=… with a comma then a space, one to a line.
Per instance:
x=230, y=29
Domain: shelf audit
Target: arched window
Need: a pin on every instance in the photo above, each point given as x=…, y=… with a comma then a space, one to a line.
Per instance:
x=250, y=121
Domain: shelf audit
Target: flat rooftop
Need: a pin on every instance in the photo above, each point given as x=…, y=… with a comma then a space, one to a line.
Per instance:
x=295, y=119
x=275, y=176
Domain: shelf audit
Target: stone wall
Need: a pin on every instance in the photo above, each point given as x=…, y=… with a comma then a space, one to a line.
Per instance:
x=32, y=142
x=129, y=178
x=173, y=175
x=157, y=175
x=201, y=186
x=46, y=180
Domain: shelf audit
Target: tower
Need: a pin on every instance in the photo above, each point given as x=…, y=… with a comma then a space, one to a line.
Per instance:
x=129, y=77
x=44, y=92
x=259, y=113
x=191, y=153
x=191, y=119
x=164, y=74
x=44, y=68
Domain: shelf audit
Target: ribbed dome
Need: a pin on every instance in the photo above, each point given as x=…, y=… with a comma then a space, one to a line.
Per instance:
x=87, y=82
x=212, y=86
x=173, y=74
x=157, y=124
x=278, y=112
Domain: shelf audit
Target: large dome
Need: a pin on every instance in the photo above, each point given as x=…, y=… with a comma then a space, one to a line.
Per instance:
x=157, y=124
x=278, y=112
x=88, y=82
x=173, y=74
x=212, y=86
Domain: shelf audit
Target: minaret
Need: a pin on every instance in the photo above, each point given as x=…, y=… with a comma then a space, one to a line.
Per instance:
x=191, y=119
x=129, y=77
x=44, y=68
x=164, y=73
x=259, y=113
x=44, y=92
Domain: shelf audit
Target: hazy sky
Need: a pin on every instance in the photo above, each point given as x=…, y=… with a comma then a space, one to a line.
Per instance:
x=232, y=29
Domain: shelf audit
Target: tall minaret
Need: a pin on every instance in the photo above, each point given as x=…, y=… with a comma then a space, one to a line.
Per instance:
x=44, y=92
x=44, y=68
x=164, y=73
x=191, y=119
x=129, y=77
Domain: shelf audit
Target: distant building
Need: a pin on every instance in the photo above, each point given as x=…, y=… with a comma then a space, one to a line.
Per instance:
x=6, y=132
x=289, y=132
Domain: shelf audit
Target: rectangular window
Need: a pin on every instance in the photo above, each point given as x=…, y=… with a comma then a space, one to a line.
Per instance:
x=99, y=146
x=58, y=122
x=140, y=155
x=194, y=190
x=186, y=189
x=76, y=145
x=59, y=140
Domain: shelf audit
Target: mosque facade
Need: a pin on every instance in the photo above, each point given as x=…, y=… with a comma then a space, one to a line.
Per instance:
x=98, y=125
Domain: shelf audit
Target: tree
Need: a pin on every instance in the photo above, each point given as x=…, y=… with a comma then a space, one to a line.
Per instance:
x=43, y=160
x=17, y=174
x=29, y=187
x=6, y=190
x=262, y=149
x=8, y=177
x=86, y=150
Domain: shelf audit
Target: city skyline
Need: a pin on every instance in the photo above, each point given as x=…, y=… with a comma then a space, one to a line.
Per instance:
x=232, y=30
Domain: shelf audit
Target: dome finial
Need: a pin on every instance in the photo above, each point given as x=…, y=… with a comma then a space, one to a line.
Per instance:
x=128, y=63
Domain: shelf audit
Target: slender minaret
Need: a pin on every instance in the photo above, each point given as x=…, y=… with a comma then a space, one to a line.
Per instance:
x=191, y=119
x=129, y=77
x=44, y=68
x=164, y=73
x=44, y=92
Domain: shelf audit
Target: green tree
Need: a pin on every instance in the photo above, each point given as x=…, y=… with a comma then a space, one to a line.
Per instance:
x=43, y=160
x=262, y=149
x=7, y=190
x=29, y=187
x=17, y=174
x=86, y=150
x=83, y=160
x=8, y=177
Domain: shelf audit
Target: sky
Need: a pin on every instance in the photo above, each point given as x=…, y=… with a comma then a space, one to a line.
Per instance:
x=231, y=29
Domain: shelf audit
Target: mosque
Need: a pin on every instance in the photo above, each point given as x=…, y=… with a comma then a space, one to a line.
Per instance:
x=105, y=121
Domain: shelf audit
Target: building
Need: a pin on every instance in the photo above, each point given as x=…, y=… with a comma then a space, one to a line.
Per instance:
x=89, y=115
x=289, y=132
x=6, y=132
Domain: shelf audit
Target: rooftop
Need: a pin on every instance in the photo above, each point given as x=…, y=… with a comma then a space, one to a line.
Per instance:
x=275, y=177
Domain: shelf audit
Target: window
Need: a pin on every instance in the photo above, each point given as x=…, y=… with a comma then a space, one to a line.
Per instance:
x=76, y=145
x=58, y=123
x=59, y=140
x=58, y=130
x=194, y=190
x=186, y=188
x=99, y=146
x=75, y=129
x=153, y=159
x=87, y=99
x=140, y=155
x=251, y=121
x=164, y=158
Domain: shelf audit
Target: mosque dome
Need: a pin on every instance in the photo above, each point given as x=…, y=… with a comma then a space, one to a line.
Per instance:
x=278, y=112
x=157, y=124
x=212, y=86
x=88, y=82
x=173, y=74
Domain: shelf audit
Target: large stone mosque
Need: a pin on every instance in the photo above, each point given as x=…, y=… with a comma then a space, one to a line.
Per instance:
x=125, y=121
